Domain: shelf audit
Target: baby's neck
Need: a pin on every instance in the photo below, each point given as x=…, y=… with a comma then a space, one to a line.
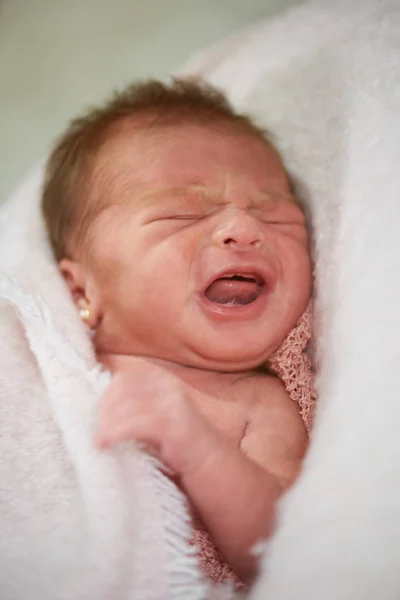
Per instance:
x=191, y=375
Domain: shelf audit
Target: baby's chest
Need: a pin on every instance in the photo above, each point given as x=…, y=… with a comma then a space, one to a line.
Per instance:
x=229, y=407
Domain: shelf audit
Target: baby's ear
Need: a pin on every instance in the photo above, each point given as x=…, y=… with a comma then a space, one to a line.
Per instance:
x=74, y=277
x=82, y=289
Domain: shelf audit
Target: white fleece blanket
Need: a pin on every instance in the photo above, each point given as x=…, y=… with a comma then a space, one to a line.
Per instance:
x=77, y=524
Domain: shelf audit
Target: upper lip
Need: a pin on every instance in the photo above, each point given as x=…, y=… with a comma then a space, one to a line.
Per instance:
x=260, y=273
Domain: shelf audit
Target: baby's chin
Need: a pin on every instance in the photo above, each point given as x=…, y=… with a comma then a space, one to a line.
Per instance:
x=224, y=362
x=232, y=349
x=228, y=361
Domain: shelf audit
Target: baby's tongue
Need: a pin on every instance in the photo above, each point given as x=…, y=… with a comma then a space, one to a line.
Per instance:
x=231, y=291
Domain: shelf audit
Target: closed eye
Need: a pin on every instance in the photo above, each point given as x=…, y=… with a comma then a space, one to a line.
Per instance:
x=282, y=221
x=184, y=217
x=187, y=208
x=282, y=214
x=178, y=217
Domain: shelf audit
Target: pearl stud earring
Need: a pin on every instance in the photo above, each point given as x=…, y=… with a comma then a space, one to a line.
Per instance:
x=84, y=314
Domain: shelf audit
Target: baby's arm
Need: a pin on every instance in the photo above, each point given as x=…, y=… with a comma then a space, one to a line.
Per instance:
x=234, y=496
x=235, y=489
x=236, y=499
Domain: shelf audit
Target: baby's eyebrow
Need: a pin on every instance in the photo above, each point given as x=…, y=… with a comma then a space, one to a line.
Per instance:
x=202, y=193
x=205, y=195
x=268, y=194
x=214, y=195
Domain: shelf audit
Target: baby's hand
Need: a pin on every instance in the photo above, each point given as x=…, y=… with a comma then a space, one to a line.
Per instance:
x=148, y=404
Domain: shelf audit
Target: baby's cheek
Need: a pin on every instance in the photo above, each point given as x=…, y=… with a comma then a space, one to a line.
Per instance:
x=112, y=240
x=305, y=272
x=102, y=257
x=296, y=260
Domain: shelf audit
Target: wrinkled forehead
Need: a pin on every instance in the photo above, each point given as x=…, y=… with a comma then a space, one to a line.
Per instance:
x=141, y=163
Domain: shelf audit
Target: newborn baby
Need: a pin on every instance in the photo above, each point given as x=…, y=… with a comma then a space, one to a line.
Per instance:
x=186, y=254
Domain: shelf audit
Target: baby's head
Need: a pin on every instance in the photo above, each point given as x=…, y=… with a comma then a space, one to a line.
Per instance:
x=175, y=228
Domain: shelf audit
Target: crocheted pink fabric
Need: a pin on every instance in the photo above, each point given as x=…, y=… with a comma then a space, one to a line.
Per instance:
x=292, y=365
x=211, y=561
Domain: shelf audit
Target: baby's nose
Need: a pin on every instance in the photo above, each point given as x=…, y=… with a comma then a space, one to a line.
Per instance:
x=238, y=229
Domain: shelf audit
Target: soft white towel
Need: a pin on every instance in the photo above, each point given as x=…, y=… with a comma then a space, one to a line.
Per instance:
x=325, y=79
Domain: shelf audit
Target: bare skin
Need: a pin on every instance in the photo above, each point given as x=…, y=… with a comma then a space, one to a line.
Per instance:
x=236, y=437
x=194, y=271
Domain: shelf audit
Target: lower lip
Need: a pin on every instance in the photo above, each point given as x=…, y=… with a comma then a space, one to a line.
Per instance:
x=236, y=312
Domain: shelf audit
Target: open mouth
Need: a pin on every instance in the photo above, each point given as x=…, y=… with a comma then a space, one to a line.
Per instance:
x=235, y=289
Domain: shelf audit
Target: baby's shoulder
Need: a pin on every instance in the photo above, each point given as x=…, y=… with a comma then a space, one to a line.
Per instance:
x=261, y=386
x=275, y=435
x=267, y=399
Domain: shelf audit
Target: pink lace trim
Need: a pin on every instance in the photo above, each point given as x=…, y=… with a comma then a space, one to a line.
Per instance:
x=211, y=561
x=292, y=365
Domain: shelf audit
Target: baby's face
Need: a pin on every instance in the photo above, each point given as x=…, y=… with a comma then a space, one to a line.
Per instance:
x=200, y=254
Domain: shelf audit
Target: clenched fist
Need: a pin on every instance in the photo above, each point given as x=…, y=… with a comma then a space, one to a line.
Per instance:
x=149, y=404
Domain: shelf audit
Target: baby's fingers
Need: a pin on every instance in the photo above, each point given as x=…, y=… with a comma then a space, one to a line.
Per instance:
x=115, y=434
x=123, y=422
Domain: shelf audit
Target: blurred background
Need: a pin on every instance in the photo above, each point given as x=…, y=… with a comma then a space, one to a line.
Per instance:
x=59, y=56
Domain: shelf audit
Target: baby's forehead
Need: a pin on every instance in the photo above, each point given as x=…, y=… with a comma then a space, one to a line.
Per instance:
x=177, y=161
